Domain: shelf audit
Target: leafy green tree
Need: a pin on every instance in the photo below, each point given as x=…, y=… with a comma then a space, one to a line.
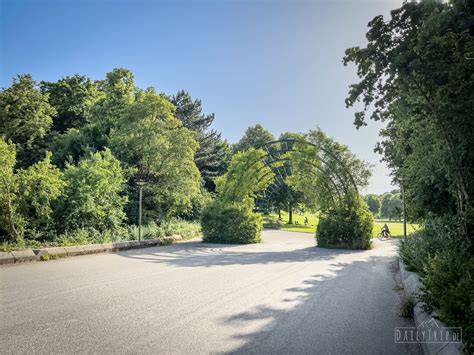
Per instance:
x=246, y=177
x=329, y=177
x=280, y=195
x=385, y=205
x=12, y=224
x=114, y=97
x=25, y=119
x=93, y=196
x=373, y=201
x=148, y=138
x=416, y=75
x=229, y=218
x=254, y=137
x=326, y=172
x=213, y=154
x=72, y=97
x=391, y=206
x=41, y=185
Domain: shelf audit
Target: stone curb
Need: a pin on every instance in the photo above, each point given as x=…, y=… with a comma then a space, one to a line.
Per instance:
x=43, y=254
x=23, y=255
x=6, y=258
x=412, y=288
x=47, y=253
x=93, y=248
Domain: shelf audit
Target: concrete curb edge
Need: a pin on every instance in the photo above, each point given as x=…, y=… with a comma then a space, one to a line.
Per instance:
x=412, y=289
x=43, y=254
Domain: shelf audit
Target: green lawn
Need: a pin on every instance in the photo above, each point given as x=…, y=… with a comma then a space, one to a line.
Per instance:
x=396, y=228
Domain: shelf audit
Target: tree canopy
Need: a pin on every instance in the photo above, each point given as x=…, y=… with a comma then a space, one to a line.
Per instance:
x=26, y=117
x=417, y=76
x=213, y=154
x=254, y=137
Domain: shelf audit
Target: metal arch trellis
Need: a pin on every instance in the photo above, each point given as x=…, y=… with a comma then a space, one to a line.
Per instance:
x=272, y=153
x=329, y=153
x=339, y=195
x=330, y=167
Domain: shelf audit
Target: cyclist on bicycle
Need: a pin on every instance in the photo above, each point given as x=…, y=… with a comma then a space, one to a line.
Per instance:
x=385, y=230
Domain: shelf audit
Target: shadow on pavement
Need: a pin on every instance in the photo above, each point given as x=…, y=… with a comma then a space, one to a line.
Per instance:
x=198, y=254
x=353, y=311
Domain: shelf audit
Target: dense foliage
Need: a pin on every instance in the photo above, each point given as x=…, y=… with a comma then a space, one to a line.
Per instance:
x=231, y=223
x=230, y=217
x=388, y=205
x=25, y=119
x=328, y=175
x=93, y=195
x=347, y=227
x=213, y=154
x=417, y=75
x=104, y=135
x=254, y=137
x=151, y=141
x=440, y=254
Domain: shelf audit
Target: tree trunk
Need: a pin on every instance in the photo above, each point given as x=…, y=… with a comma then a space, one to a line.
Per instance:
x=290, y=214
x=279, y=214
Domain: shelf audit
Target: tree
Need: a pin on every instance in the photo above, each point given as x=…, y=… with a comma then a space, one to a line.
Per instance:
x=280, y=195
x=12, y=224
x=148, y=138
x=25, y=119
x=114, y=97
x=229, y=218
x=415, y=75
x=246, y=177
x=72, y=97
x=391, y=206
x=213, y=154
x=373, y=201
x=326, y=172
x=329, y=177
x=254, y=137
x=93, y=196
x=41, y=185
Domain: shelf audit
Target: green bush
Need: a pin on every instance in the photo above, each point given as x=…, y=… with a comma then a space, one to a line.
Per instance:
x=439, y=252
x=93, y=197
x=437, y=235
x=448, y=288
x=230, y=224
x=346, y=228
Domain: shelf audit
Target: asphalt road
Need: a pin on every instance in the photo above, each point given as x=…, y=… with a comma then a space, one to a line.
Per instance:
x=281, y=296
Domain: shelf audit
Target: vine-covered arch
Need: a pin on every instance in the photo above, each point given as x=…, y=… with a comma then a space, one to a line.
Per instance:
x=339, y=181
x=324, y=171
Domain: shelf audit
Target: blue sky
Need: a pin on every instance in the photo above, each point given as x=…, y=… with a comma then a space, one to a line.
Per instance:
x=277, y=63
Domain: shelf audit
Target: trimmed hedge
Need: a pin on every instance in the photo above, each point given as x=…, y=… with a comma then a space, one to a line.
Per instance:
x=346, y=228
x=230, y=224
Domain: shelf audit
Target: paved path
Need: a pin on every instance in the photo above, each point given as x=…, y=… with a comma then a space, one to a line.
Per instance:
x=281, y=296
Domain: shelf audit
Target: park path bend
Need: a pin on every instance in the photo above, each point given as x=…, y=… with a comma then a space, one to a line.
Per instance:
x=283, y=296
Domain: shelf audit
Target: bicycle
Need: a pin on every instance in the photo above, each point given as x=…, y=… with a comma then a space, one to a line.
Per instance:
x=384, y=235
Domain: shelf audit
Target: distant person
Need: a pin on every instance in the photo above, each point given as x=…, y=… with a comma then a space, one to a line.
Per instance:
x=385, y=230
x=306, y=222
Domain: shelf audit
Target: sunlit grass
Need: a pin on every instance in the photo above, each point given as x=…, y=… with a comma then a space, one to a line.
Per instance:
x=396, y=227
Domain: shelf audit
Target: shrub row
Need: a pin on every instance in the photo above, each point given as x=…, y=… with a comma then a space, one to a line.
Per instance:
x=440, y=253
x=82, y=236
